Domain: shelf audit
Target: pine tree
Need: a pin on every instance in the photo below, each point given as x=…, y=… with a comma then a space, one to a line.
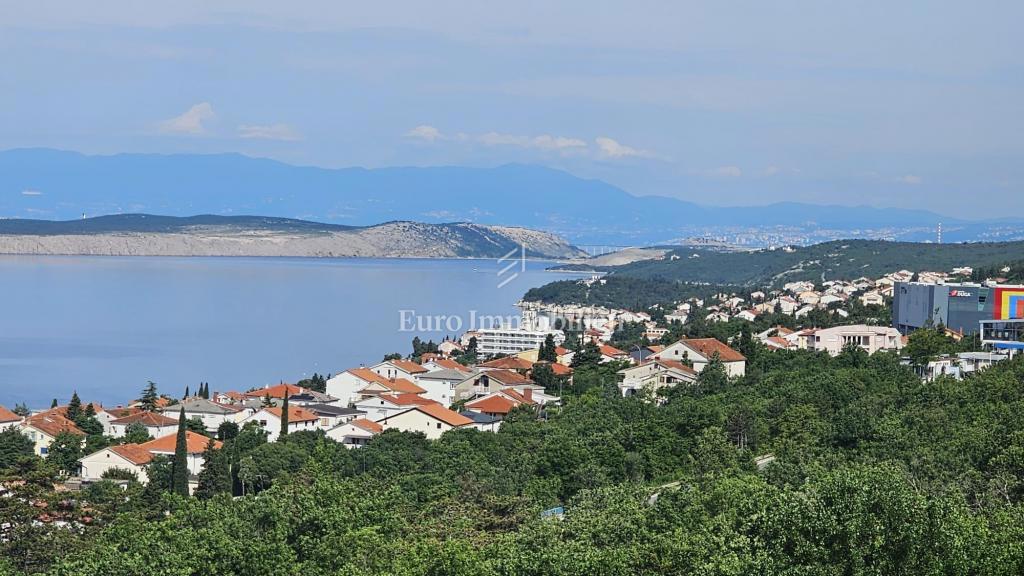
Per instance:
x=74, y=411
x=53, y=404
x=284, y=415
x=215, y=477
x=179, y=466
x=149, y=397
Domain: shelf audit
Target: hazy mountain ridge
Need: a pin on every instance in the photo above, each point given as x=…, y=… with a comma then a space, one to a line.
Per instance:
x=62, y=185
x=147, y=235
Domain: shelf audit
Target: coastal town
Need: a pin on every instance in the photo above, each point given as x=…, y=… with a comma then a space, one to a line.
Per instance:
x=481, y=378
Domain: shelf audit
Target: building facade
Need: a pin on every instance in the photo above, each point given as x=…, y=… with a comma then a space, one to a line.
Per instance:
x=960, y=307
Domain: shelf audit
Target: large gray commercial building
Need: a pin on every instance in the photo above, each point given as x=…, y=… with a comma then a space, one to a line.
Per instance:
x=997, y=312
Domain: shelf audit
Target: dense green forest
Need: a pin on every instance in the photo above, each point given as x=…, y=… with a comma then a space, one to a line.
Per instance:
x=841, y=259
x=874, y=472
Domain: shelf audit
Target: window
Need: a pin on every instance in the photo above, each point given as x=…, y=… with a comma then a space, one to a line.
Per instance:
x=438, y=425
x=44, y=451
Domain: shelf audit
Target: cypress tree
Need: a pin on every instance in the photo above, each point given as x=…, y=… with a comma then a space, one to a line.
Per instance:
x=186, y=392
x=179, y=466
x=284, y=415
x=53, y=404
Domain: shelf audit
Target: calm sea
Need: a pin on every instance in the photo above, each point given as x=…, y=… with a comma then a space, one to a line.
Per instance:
x=105, y=325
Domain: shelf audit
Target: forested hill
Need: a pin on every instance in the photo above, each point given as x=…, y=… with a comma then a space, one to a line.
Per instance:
x=206, y=235
x=842, y=259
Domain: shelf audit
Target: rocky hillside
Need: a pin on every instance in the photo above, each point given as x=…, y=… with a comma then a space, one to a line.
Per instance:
x=146, y=235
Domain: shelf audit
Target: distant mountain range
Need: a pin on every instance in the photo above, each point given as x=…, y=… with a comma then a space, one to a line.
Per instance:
x=56, y=184
x=148, y=235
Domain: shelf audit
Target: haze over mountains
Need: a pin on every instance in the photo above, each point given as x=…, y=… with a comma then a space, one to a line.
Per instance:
x=52, y=184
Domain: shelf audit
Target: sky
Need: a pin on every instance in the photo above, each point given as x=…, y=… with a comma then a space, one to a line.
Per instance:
x=904, y=104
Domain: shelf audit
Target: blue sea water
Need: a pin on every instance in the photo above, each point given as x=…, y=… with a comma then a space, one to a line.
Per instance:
x=104, y=326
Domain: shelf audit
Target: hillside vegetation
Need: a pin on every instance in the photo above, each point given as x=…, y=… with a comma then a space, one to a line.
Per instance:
x=843, y=259
x=874, y=472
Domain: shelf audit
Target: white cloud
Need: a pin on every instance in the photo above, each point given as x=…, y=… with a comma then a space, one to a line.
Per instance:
x=191, y=122
x=31, y=193
x=542, y=142
x=269, y=132
x=771, y=171
x=909, y=179
x=425, y=132
x=727, y=172
x=610, y=148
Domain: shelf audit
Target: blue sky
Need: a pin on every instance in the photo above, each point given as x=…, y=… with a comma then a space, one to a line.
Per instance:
x=889, y=104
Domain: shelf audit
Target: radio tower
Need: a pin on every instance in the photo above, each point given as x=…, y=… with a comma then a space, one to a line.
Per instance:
x=938, y=240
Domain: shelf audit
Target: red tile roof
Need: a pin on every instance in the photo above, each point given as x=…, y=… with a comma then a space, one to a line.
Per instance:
x=367, y=425
x=194, y=442
x=708, y=346
x=508, y=363
x=52, y=423
x=402, y=386
x=562, y=351
x=677, y=365
x=450, y=364
x=507, y=377
x=496, y=404
x=611, y=351
x=367, y=375
x=8, y=416
x=133, y=453
x=407, y=399
x=408, y=366
x=556, y=368
x=146, y=419
x=443, y=414
x=295, y=414
x=278, y=391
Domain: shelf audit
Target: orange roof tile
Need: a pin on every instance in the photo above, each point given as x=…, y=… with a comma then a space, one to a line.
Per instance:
x=146, y=419
x=443, y=414
x=495, y=404
x=507, y=377
x=708, y=346
x=278, y=391
x=133, y=453
x=295, y=414
x=407, y=399
x=611, y=351
x=367, y=375
x=52, y=423
x=677, y=365
x=367, y=425
x=408, y=366
x=195, y=443
x=450, y=364
x=557, y=369
x=402, y=386
x=508, y=363
x=8, y=416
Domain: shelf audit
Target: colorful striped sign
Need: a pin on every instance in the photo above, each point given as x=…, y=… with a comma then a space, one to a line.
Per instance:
x=1009, y=304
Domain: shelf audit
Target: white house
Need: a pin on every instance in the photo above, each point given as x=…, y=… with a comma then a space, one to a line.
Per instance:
x=195, y=445
x=355, y=433
x=869, y=338
x=332, y=415
x=699, y=352
x=129, y=457
x=211, y=413
x=431, y=419
x=299, y=419
x=347, y=385
x=872, y=298
x=439, y=385
x=156, y=425
x=655, y=375
x=42, y=429
x=383, y=405
x=398, y=369
x=8, y=419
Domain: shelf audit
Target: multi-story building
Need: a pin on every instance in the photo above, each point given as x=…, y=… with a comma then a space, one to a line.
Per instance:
x=493, y=341
x=994, y=311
